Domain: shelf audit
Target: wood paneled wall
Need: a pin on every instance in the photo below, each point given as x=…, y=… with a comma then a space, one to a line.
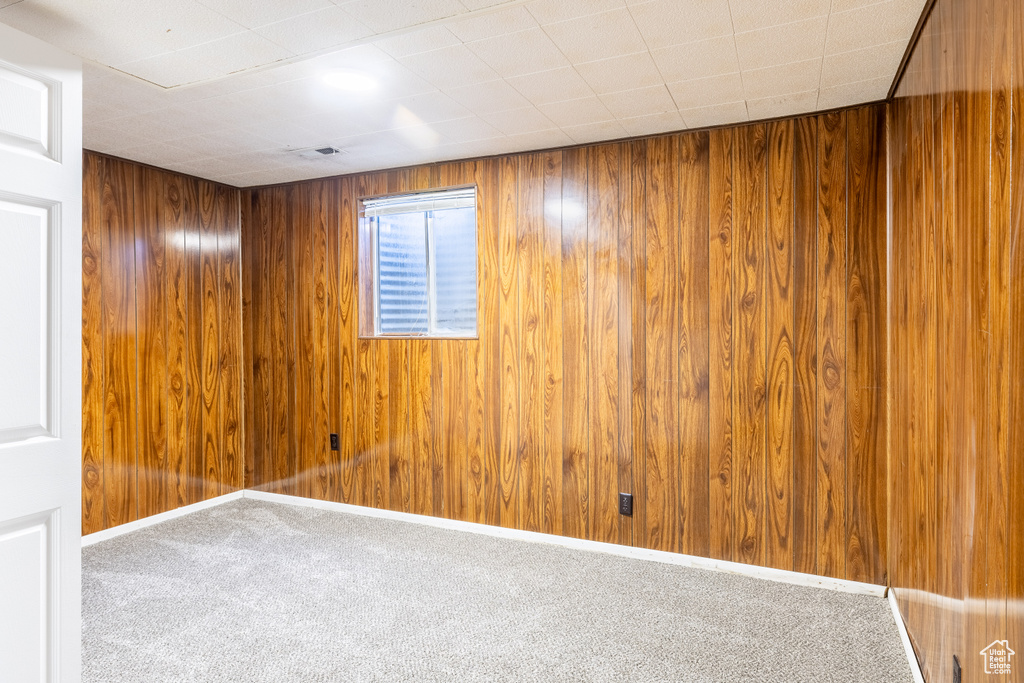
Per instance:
x=697, y=319
x=161, y=342
x=957, y=324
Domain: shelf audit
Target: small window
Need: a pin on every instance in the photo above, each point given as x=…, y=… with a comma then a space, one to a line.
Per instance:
x=423, y=261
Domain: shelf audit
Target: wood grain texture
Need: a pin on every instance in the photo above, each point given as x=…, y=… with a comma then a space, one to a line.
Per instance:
x=832, y=383
x=693, y=363
x=779, y=279
x=93, y=359
x=508, y=317
x=120, y=367
x=151, y=312
x=529, y=265
x=648, y=323
x=954, y=324
x=162, y=342
x=603, y=202
x=575, y=345
x=805, y=326
x=720, y=349
x=749, y=350
x=552, y=346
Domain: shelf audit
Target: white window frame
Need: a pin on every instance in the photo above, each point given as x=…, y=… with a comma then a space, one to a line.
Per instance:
x=432, y=201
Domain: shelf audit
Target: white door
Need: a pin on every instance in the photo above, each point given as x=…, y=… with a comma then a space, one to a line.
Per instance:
x=40, y=360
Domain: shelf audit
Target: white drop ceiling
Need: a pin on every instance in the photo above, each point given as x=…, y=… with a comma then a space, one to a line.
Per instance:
x=230, y=90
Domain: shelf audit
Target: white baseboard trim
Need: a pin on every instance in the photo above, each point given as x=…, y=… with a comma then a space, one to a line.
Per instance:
x=107, y=534
x=915, y=666
x=778, y=575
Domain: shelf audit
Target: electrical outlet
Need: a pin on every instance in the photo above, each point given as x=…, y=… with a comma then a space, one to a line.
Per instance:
x=334, y=442
x=626, y=504
x=957, y=672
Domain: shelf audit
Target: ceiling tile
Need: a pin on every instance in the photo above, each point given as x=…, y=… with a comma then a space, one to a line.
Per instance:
x=483, y=98
x=252, y=14
x=492, y=24
x=551, y=86
x=667, y=122
x=748, y=15
x=131, y=29
x=597, y=36
x=390, y=15
x=433, y=106
x=223, y=143
x=421, y=40
x=715, y=115
x=518, y=121
x=697, y=60
x=620, y=73
x=285, y=133
x=466, y=129
x=332, y=127
x=870, y=25
x=862, y=65
x=593, y=132
x=703, y=92
x=783, y=44
x=314, y=31
x=515, y=54
x=576, y=112
x=663, y=22
x=551, y=11
x=541, y=139
x=106, y=138
x=854, y=93
x=782, y=105
x=366, y=58
x=639, y=102
x=240, y=51
x=779, y=80
x=450, y=67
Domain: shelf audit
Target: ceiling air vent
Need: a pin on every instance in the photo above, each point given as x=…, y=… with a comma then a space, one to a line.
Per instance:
x=319, y=152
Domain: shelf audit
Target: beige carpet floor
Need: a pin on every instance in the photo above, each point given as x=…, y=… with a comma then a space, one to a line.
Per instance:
x=254, y=591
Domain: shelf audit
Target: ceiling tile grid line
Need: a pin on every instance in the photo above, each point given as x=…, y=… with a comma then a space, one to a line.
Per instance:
x=454, y=78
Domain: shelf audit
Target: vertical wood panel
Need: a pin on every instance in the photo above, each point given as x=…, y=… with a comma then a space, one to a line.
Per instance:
x=831, y=468
x=529, y=224
x=343, y=364
x=805, y=344
x=209, y=320
x=636, y=333
x=282, y=344
x=749, y=405
x=323, y=483
x=151, y=309
x=552, y=348
x=662, y=456
x=489, y=203
x=779, y=295
x=93, y=357
x=119, y=344
x=603, y=203
x=229, y=284
x=575, y=345
x=508, y=179
x=720, y=348
x=865, y=338
x=694, y=522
